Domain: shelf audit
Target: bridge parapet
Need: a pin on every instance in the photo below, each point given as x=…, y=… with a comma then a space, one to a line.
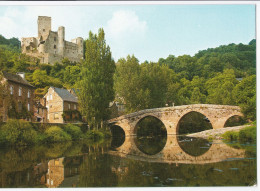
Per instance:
x=166, y=109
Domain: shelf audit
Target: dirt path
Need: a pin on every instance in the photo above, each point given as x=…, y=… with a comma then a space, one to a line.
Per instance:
x=216, y=133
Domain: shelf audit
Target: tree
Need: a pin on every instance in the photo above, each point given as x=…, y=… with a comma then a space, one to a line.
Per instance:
x=220, y=88
x=129, y=84
x=245, y=94
x=96, y=86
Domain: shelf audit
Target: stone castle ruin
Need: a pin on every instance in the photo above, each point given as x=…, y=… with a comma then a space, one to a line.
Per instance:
x=51, y=46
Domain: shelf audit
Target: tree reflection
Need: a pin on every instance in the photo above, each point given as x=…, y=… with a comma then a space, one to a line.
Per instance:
x=194, y=146
x=151, y=135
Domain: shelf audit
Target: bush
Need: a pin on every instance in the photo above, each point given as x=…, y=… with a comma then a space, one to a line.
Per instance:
x=94, y=134
x=56, y=134
x=230, y=136
x=74, y=131
x=248, y=134
x=18, y=132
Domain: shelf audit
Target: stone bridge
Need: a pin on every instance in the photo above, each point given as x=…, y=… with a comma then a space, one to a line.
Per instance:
x=170, y=116
x=173, y=153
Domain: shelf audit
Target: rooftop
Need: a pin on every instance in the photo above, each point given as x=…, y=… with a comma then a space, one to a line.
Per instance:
x=16, y=78
x=65, y=94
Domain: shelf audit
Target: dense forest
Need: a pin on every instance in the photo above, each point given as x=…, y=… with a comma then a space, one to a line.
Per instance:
x=223, y=75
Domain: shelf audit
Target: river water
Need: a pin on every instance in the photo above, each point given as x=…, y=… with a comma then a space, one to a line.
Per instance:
x=130, y=162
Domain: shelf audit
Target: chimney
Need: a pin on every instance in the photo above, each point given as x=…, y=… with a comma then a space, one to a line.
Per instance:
x=22, y=74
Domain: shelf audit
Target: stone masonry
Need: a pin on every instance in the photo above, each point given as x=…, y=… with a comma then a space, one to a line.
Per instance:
x=51, y=46
x=170, y=116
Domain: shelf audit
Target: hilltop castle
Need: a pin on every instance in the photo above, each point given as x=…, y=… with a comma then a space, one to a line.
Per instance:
x=50, y=46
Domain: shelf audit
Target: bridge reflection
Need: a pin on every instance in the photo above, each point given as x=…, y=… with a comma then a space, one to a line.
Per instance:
x=174, y=153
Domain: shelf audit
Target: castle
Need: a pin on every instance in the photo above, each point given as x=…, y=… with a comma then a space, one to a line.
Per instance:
x=50, y=46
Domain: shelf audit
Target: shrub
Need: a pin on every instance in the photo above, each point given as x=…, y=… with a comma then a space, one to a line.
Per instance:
x=56, y=134
x=248, y=134
x=94, y=134
x=230, y=136
x=74, y=131
x=18, y=132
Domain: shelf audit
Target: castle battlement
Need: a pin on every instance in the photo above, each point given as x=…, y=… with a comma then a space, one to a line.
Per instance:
x=51, y=46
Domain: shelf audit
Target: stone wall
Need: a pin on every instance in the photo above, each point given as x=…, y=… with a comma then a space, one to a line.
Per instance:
x=23, y=99
x=55, y=107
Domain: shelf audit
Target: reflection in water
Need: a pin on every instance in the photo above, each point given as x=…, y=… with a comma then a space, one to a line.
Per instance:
x=93, y=165
x=150, y=145
x=151, y=135
x=118, y=136
x=194, y=146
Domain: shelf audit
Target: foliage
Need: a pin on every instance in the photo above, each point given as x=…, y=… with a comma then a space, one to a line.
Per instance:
x=245, y=94
x=74, y=131
x=247, y=134
x=142, y=86
x=18, y=132
x=94, y=135
x=96, y=86
x=71, y=115
x=56, y=134
x=220, y=88
x=230, y=135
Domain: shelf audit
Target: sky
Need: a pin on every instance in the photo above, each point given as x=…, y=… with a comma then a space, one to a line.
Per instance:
x=149, y=32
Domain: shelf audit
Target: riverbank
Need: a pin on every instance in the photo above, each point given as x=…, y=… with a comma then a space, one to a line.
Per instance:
x=217, y=133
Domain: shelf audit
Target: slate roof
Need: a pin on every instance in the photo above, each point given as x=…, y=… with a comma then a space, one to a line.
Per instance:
x=65, y=95
x=16, y=78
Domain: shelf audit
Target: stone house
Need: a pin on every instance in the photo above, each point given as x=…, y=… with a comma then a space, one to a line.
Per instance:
x=51, y=46
x=62, y=106
x=40, y=111
x=20, y=100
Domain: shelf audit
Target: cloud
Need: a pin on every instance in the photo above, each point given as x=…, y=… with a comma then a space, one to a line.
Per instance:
x=125, y=32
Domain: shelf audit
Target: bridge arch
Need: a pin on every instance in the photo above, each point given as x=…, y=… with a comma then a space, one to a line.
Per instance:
x=232, y=115
x=145, y=116
x=187, y=113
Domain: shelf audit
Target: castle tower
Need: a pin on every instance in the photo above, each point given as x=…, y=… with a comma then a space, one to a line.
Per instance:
x=79, y=41
x=44, y=27
x=61, y=40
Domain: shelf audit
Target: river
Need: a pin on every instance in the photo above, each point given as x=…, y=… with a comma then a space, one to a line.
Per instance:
x=130, y=162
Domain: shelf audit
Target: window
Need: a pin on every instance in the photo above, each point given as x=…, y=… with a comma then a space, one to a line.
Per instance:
x=56, y=116
x=50, y=96
x=69, y=106
x=29, y=94
x=20, y=106
x=20, y=91
x=54, y=38
x=75, y=107
x=28, y=107
x=43, y=30
x=54, y=46
x=11, y=90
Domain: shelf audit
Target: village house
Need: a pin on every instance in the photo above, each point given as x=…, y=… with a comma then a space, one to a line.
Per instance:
x=20, y=99
x=62, y=106
x=40, y=111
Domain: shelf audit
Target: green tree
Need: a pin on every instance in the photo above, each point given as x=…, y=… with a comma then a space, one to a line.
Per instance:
x=245, y=94
x=220, y=88
x=96, y=86
x=129, y=84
